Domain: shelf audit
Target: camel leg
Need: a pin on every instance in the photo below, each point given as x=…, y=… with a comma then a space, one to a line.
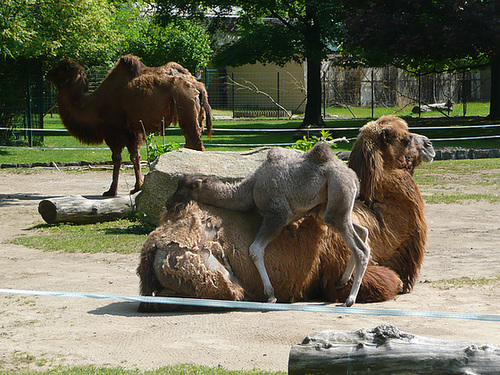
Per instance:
x=342, y=282
x=135, y=158
x=346, y=276
x=361, y=254
x=193, y=143
x=338, y=215
x=117, y=161
x=272, y=224
x=188, y=122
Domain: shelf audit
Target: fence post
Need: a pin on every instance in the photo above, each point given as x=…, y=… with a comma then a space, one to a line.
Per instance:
x=207, y=78
x=419, y=95
x=373, y=92
x=464, y=101
x=232, y=92
x=278, y=95
x=324, y=95
x=28, y=118
x=41, y=138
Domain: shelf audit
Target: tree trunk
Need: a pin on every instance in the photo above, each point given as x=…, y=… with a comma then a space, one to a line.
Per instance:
x=314, y=55
x=312, y=116
x=387, y=350
x=495, y=88
x=77, y=209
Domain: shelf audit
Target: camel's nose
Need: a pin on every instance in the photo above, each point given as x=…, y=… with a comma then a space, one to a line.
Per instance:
x=428, y=152
x=427, y=142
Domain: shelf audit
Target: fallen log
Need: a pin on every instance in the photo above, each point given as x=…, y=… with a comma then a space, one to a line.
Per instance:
x=387, y=350
x=78, y=209
x=440, y=107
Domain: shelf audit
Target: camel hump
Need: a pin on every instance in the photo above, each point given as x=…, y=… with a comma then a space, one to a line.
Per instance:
x=178, y=67
x=277, y=154
x=132, y=64
x=320, y=153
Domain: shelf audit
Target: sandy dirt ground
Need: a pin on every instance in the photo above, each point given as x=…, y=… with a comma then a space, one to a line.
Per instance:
x=41, y=332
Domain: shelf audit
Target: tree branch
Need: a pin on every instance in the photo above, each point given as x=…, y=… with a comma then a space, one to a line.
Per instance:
x=253, y=88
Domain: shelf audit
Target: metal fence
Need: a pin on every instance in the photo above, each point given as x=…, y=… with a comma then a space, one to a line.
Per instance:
x=391, y=87
x=246, y=93
x=22, y=102
x=280, y=93
x=252, y=91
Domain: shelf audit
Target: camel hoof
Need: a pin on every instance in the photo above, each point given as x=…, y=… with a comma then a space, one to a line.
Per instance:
x=349, y=302
x=272, y=300
x=135, y=190
x=109, y=193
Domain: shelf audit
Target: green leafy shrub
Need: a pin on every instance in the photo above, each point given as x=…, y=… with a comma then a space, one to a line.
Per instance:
x=154, y=150
x=306, y=143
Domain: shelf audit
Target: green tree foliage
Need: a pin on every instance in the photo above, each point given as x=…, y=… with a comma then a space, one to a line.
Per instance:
x=34, y=34
x=275, y=31
x=50, y=30
x=155, y=42
x=426, y=36
x=96, y=32
x=183, y=42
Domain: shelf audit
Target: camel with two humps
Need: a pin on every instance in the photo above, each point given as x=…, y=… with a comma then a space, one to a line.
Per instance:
x=133, y=100
x=202, y=251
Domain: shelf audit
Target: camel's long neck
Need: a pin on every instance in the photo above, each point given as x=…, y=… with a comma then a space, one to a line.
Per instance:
x=399, y=187
x=233, y=196
x=79, y=116
x=397, y=203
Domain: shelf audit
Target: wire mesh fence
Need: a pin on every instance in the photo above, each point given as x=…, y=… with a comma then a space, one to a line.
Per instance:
x=262, y=92
x=22, y=102
x=259, y=91
x=393, y=88
x=251, y=93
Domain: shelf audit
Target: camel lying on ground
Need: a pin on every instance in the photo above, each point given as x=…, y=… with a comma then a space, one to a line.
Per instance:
x=287, y=186
x=131, y=101
x=202, y=251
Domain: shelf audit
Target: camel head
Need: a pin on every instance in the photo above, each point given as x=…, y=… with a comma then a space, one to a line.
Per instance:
x=387, y=145
x=188, y=189
x=68, y=72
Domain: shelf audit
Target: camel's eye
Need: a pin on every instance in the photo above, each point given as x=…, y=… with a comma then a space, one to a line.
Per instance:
x=406, y=141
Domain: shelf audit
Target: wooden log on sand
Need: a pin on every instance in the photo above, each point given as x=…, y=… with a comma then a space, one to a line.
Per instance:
x=387, y=350
x=78, y=209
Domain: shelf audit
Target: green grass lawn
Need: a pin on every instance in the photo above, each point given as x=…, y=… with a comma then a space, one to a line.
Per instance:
x=458, y=181
x=170, y=370
x=471, y=109
x=51, y=149
x=121, y=236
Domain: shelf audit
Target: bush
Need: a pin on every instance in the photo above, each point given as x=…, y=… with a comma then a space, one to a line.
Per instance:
x=306, y=143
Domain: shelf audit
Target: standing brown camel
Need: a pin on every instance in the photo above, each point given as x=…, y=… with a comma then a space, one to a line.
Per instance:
x=131, y=101
x=202, y=251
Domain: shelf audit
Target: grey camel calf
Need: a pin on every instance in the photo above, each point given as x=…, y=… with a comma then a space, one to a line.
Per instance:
x=284, y=188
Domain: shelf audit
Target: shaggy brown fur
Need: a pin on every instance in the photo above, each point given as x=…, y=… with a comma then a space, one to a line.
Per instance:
x=132, y=100
x=307, y=258
x=289, y=185
x=136, y=68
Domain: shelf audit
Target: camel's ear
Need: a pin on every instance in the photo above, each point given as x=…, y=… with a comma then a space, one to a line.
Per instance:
x=366, y=160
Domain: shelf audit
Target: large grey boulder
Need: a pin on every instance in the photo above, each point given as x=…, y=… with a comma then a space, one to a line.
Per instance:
x=161, y=182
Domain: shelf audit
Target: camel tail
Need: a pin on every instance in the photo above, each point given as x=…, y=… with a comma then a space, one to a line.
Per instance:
x=379, y=284
x=208, y=111
x=149, y=283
